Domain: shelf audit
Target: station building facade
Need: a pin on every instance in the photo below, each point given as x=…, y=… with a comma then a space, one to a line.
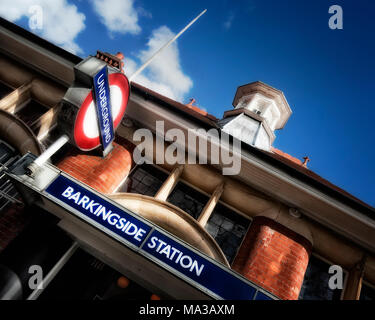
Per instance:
x=276, y=223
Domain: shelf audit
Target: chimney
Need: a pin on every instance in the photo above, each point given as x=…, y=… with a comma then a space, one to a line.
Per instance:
x=114, y=61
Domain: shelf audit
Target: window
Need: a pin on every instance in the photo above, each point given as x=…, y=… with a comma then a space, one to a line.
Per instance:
x=144, y=179
x=228, y=229
x=315, y=285
x=31, y=113
x=4, y=90
x=7, y=191
x=367, y=292
x=188, y=199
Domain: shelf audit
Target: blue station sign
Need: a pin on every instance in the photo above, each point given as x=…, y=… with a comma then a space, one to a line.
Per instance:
x=103, y=108
x=96, y=209
x=197, y=268
x=152, y=242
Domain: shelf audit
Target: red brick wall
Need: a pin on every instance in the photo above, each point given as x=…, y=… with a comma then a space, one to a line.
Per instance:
x=102, y=174
x=274, y=257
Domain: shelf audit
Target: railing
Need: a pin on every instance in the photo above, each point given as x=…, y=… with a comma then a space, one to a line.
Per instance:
x=8, y=194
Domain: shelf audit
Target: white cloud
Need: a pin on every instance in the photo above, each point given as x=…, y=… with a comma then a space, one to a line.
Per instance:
x=118, y=15
x=61, y=21
x=164, y=74
x=144, y=13
x=228, y=23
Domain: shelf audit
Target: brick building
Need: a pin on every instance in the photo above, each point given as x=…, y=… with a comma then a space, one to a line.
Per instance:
x=276, y=223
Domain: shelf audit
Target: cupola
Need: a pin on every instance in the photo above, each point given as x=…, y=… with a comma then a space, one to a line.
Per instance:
x=259, y=110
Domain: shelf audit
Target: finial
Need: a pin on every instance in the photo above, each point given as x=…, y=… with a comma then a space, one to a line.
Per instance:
x=307, y=159
x=192, y=101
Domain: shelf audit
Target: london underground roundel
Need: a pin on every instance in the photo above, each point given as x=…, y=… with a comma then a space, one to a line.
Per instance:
x=86, y=128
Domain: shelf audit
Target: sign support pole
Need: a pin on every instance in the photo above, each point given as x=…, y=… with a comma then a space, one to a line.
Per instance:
x=54, y=271
x=33, y=167
x=165, y=46
x=43, y=158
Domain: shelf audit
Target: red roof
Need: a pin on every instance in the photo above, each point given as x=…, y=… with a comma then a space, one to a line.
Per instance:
x=202, y=112
x=286, y=156
x=192, y=110
x=276, y=154
x=297, y=164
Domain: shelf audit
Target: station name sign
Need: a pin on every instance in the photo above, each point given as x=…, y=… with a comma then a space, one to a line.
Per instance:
x=98, y=210
x=152, y=242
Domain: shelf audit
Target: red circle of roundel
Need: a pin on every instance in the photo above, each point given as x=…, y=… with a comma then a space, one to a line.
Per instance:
x=85, y=142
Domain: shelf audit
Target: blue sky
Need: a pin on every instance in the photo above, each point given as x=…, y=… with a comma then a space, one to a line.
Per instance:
x=326, y=75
